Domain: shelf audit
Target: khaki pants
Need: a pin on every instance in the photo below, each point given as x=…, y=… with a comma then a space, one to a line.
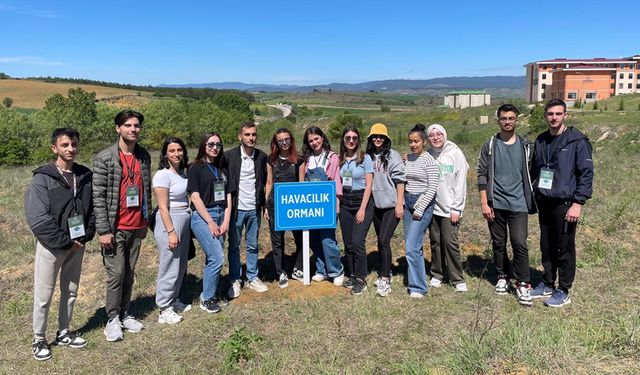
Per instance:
x=120, y=263
x=48, y=264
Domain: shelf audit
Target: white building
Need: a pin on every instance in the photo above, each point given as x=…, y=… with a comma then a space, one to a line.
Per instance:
x=464, y=99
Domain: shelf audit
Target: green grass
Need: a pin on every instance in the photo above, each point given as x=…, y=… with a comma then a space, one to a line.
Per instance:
x=322, y=329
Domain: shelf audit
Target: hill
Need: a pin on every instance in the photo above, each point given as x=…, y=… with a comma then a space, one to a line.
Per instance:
x=497, y=85
x=33, y=94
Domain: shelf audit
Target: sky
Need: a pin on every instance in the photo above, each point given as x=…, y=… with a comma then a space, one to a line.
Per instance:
x=306, y=41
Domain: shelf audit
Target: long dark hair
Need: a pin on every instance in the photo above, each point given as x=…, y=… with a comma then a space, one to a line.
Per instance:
x=359, y=153
x=164, y=162
x=275, y=147
x=385, y=149
x=202, y=152
x=306, y=149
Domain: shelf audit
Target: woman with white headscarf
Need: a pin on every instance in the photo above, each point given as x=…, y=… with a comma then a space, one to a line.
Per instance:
x=450, y=200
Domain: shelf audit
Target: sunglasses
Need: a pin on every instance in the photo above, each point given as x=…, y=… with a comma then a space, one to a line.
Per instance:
x=377, y=136
x=353, y=139
x=285, y=141
x=217, y=145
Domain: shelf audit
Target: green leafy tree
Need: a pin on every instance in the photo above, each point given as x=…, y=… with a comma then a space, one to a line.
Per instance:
x=18, y=134
x=537, y=123
x=342, y=121
x=385, y=108
x=595, y=105
x=621, y=105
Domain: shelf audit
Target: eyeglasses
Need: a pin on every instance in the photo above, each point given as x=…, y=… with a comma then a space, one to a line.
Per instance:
x=353, y=139
x=435, y=135
x=217, y=145
x=508, y=119
x=377, y=136
x=285, y=141
x=555, y=113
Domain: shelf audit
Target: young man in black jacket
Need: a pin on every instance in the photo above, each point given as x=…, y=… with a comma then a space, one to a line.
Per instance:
x=247, y=167
x=563, y=181
x=59, y=211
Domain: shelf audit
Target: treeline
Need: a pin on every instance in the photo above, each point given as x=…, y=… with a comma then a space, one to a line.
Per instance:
x=27, y=137
x=183, y=92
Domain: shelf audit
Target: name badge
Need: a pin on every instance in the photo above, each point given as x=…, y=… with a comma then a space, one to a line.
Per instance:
x=347, y=178
x=545, y=181
x=133, y=196
x=76, y=226
x=218, y=191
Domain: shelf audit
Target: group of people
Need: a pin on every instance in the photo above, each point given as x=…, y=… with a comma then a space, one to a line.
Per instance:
x=227, y=193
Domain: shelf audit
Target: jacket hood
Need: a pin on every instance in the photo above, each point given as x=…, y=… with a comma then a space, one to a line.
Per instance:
x=50, y=170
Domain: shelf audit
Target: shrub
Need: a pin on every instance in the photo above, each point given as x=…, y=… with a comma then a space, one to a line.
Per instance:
x=7, y=102
x=385, y=108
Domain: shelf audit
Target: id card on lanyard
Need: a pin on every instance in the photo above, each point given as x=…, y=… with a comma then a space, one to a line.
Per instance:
x=133, y=190
x=75, y=222
x=218, y=186
x=545, y=180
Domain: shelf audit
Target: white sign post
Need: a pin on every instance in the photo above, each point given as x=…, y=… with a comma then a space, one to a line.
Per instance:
x=305, y=206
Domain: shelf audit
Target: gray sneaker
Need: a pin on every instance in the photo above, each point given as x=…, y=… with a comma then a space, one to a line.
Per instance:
x=257, y=285
x=131, y=324
x=113, y=330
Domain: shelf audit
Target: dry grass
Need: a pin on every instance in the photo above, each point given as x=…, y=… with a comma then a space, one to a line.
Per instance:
x=323, y=329
x=33, y=94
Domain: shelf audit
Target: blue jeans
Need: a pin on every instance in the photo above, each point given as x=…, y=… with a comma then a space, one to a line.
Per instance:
x=324, y=246
x=414, y=231
x=251, y=220
x=213, y=249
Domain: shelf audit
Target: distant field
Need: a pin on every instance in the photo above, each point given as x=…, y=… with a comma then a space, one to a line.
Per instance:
x=33, y=94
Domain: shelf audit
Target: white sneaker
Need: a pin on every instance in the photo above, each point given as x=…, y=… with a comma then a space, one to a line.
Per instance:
x=383, y=288
x=435, y=283
x=501, y=287
x=181, y=307
x=131, y=324
x=234, y=289
x=318, y=277
x=338, y=281
x=416, y=295
x=461, y=287
x=257, y=285
x=113, y=330
x=168, y=316
x=523, y=291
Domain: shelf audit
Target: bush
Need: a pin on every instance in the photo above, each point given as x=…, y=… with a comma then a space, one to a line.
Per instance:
x=341, y=122
x=7, y=102
x=537, y=123
x=385, y=108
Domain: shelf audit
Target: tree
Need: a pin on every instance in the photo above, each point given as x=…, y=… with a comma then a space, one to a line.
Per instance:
x=385, y=108
x=595, y=105
x=537, y=123
x=7, y=102
x=343, y=121
x=621, y=105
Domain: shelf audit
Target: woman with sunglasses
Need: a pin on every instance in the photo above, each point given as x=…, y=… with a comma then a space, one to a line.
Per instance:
x=450, y=199
x=322, y=164
x=172, y=232
x=419, y=199
x=356, y=211
x=207, y=187
x=283, y=165
x=388, y=198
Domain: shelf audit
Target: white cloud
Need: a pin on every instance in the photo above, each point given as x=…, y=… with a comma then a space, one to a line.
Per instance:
x=30, y=60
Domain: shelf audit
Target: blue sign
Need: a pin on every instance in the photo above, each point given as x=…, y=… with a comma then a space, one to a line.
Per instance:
x=305, y=205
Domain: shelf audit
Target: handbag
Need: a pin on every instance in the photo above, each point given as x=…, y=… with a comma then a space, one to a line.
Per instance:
x=383, y=191
x=152, y=219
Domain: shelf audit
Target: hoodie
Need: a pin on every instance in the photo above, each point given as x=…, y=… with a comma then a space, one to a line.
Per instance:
x=452, y=188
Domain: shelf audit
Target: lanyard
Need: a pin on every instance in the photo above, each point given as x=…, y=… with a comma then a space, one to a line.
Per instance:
x=130, y=168
x=73, y=189
x=214, y=171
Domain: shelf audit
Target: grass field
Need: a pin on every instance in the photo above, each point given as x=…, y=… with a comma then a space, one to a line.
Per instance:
x=33, y=94
x=322, y=329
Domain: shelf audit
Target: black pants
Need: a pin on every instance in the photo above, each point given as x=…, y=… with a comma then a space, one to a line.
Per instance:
x=385, y=223
x=557, y=243
x=516, y=225
x=277, y=243
x=354, y=235
x=445, y=250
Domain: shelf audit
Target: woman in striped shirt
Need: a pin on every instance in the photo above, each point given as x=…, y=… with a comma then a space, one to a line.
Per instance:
x=419, y=200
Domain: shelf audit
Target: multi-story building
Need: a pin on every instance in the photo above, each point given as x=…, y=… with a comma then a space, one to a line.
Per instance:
x=464, y=99
x=582, y=79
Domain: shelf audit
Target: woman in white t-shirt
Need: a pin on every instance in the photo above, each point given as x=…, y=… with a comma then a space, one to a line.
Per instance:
x=172, y=231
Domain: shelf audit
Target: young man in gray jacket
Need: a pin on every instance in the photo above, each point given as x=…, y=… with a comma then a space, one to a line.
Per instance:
x=507, y=199
x=59, y=212
x=122, y=200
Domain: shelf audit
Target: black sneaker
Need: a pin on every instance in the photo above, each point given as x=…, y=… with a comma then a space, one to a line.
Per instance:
x=283, y=281
x=40, y=350
x=349, y=282
x=211, y=306
x=359, y=286
x=70, y=339
x=222, y=302
x=297, y=275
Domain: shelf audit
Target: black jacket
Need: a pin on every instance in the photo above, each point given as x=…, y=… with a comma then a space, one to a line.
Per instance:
x=233, y=163
x=571, y=162
x=49, y=203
